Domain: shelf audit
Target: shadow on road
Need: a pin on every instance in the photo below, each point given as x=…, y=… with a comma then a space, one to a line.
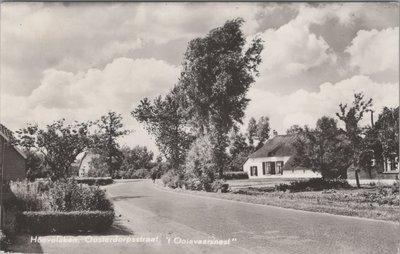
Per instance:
x=126, y=197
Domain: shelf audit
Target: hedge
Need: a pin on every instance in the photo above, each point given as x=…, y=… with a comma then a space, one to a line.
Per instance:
x=235, y=175
x=64, y=222
x=95, y=180
x=313, y=184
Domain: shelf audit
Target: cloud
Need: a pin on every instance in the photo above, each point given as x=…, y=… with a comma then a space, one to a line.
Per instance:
x=303, y=107
x=373, y=51
x=88, y=95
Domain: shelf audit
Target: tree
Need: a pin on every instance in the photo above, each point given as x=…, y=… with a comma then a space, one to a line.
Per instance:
x=136, y=158
x=217, y=73
x=322, y=149
x=35, y=167
x=58, y=143
x=238, y=150
x=294, y=129
x=252, y=131
x=263, y=130
x=163, y=119
x=351, y=116
x=110, y=128
x=387, y=127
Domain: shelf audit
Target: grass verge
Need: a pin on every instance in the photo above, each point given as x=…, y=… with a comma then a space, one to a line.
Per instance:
x=339, y=202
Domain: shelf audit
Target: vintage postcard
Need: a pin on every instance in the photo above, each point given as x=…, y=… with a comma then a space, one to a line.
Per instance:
x=199, y=127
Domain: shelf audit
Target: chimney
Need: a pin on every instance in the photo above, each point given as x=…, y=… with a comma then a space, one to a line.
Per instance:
x=275, y=133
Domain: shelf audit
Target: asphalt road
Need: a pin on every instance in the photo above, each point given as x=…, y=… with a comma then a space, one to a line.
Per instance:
x=151, y=211
x=145, y=211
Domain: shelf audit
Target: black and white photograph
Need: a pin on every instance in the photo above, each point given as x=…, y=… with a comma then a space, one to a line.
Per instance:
x=199, y=127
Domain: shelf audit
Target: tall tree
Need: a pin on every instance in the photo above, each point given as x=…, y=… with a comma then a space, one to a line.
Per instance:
x=163, y=119
x=351, y=117
x=217, y=73
x=59, y=144
x=110, y=128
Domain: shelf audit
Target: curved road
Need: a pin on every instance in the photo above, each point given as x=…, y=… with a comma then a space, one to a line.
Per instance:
x=148, y=210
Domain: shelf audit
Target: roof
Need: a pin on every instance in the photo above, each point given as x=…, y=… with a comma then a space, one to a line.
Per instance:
x=281, y=145
x=8, y=136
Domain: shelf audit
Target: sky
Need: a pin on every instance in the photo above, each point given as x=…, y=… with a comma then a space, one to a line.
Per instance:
x=80, y=60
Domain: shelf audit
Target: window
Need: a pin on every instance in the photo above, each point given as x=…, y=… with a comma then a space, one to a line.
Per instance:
x=253, y=171
x=268, y=167
x=279, y=166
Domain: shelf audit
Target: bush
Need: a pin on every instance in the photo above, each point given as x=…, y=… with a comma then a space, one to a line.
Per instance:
x=95, y=180
x=70, y=196
x=235, y=175
x=172, y=180
x=27, y=196
x=58, y=196
x=313, y=184
x=220, y=186
x=141, y=173
x=64, y=222
x=4, y=241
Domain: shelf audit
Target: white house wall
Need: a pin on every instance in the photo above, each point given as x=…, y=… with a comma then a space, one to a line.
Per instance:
x=251, y=162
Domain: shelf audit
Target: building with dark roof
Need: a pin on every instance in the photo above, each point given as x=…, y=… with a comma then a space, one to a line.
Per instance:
x=274, y=159
x=12, y=159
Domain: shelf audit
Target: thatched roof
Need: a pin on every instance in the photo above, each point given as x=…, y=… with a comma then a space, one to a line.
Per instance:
x=281, y=145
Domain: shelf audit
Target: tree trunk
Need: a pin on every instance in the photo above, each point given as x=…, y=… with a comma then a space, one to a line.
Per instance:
x=357, y=178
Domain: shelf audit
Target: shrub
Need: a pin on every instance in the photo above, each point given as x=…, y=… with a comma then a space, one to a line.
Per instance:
x=141, y=173
x=64, y=222
x=27, y=196
x=172, y=180
x=95, y=180
x=235, y=175
x=313, y=184
x=220, y=186
x=57, y=196
x=71, y=196
x=4, y=241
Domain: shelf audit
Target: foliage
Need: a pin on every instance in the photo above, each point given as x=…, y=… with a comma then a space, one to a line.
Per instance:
x=387, y=128
x=252, y=131
x=351, y=116
x=58, y=196
x=45, y=222
x=110, y=128
x=28, y=196
x=313, y=184
x=294, y=129
x=384, y=196
x=220, y=186
x=35, y=167
x=235, y=175
x=138, y=157
x=323, y=149
x=199, y=162
x=163, y=119
x=217, y=73
x=263, y=130
x=172, y=180
x=59, y=144
x=140, y=173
